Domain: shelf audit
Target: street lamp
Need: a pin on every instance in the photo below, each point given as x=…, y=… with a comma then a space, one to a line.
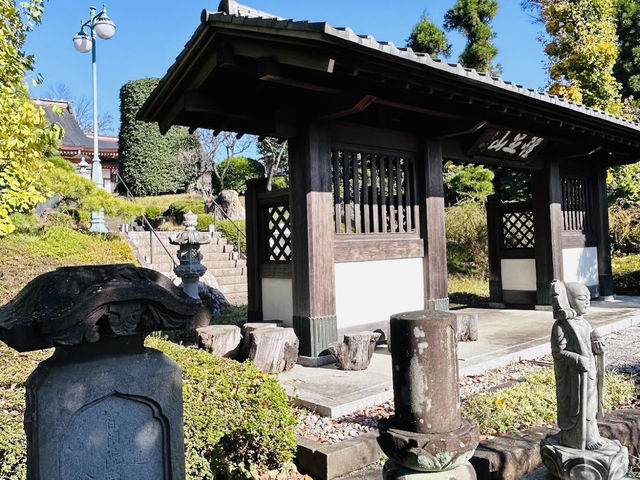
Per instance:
x=104, y=27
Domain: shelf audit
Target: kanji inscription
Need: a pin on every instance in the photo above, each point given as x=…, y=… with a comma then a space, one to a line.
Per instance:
x=507, y=143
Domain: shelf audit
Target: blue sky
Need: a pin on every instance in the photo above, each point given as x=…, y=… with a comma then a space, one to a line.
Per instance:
x=150, y=34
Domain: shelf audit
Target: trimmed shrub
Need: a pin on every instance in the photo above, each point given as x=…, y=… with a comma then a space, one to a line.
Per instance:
x=626, y=274
x=153, y=212
x=147, y=158
x=227, y=230
x=60, y=219
x=178, y=209
x=467, y=250
x=204, y=220
x=236, y=418
x=240, y=170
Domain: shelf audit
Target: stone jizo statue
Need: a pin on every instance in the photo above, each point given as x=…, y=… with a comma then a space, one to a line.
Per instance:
x=579, y=451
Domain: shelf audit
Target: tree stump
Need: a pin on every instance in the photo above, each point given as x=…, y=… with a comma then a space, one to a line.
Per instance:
x=355, y=351
x=467, y=327
x=247, y=328
x=220, y=340
x=273, y=349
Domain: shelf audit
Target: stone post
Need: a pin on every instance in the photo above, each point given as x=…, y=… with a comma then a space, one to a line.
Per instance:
x=427, y=438
x=103, y=405
x=190, y=268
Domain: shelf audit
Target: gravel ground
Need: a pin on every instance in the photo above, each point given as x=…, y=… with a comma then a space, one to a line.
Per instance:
x=623, y=354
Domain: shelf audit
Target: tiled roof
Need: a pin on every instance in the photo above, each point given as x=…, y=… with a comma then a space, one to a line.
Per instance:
x=367, y=41
x=73, y=134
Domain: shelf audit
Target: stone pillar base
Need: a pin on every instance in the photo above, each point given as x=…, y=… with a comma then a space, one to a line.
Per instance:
x=393, y=471
x=608, y=463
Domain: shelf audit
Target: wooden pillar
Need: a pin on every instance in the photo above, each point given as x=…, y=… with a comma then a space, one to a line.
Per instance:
x=494, y=241
x=548, y=226
x=255, y=247
x=311, y=204
x=432, y=227
x=601, y=227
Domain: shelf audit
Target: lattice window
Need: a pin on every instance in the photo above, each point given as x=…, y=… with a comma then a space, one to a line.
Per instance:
x=517, y=230
x=373, y=192
x=576, y=203
x=277, y=226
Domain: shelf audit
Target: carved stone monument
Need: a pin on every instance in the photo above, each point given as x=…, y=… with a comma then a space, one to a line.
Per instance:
x=578, y=451
x=427, y=439
x=102, y=406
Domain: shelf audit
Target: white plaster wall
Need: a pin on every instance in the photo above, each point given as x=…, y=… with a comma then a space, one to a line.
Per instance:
x=277, y=300
x=368, y=292
x=580, y=265
x=518, y=274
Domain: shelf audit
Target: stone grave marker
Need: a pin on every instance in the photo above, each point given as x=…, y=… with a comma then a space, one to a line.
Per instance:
x=102, y=406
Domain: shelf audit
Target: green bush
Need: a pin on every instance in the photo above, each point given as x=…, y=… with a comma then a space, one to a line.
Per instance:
x=624, y=228
x=533, y=402
x=178, y=209
x=626, y=274
x=240, y=170
x=466, y=227
x=80, y=195
x=153, y=211
x=60, y=219
x=204, y=220
x=236, y=418
x=148, y=159
x=25, y=222
x=227, y=230
x=279, y=182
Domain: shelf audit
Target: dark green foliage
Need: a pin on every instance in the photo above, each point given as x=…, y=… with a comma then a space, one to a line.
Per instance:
x=626, y=274
x=512, y=185
x=466, y=227
x=178, y=209
x=147, y=159
x=624, y=229
x=279, y=182
x=240, y=170
x=426, y=37
x=627, y=66
x=235, y=417
x=467, y=182
x=204, y=220
x=472, y=18
x=227, y=230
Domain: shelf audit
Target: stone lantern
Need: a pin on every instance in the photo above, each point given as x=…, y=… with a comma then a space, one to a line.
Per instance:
x=190, y=268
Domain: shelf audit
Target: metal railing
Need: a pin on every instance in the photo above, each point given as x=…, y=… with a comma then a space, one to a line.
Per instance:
x=152, y=231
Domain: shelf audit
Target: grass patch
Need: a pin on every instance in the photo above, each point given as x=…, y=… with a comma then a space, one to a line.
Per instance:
x=27, y=254
x=468, y=289
x=533, y=402
x=164, y=201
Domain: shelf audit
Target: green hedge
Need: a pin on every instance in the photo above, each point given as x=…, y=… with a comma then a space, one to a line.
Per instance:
x=236, y=418
x=178, y=209
x=148, y=159
x=227, y=230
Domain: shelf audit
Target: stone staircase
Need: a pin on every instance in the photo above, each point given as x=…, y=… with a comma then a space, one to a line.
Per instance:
x=220, y=258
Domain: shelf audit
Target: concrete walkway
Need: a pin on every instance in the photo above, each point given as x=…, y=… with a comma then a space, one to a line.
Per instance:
x=504, y=336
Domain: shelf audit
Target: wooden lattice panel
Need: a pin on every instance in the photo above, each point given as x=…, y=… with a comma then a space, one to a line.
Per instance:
x=576, y=204
x=277, y=234
x=517, y=230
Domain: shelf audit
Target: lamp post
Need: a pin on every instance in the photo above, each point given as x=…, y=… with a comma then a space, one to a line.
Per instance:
x=104, y=27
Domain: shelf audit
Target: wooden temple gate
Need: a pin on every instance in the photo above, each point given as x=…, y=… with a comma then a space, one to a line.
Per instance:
x=369, y=125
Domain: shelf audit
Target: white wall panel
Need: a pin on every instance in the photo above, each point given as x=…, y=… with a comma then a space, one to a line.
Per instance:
x=277, y=300
x=518, y=274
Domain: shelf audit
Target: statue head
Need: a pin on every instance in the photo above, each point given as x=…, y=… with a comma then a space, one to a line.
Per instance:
x=579, y=297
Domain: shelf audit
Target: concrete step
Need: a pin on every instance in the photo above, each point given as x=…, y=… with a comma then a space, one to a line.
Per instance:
x=231, y=280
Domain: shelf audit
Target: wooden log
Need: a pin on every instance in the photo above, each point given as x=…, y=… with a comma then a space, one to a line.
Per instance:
x=247, y=328
x=273, y=349
x=220, y=340
x=355, y=351
x=467, y=326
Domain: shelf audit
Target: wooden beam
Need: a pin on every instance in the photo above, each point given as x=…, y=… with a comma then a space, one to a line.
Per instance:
x=358, y=107
x=548, y=226
x=494, y=240
x=270, y=71
x=432, y=226
x=311, y=204
x=601, y=226
x=255, y=247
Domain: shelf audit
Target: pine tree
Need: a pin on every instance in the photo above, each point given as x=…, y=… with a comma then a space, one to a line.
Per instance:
x=426, y=37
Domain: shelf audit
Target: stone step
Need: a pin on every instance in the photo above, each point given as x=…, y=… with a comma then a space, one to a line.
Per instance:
x=234, y=288
x=224, y=272
x=236, y=299
x=225, y=264
x=231, y=279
